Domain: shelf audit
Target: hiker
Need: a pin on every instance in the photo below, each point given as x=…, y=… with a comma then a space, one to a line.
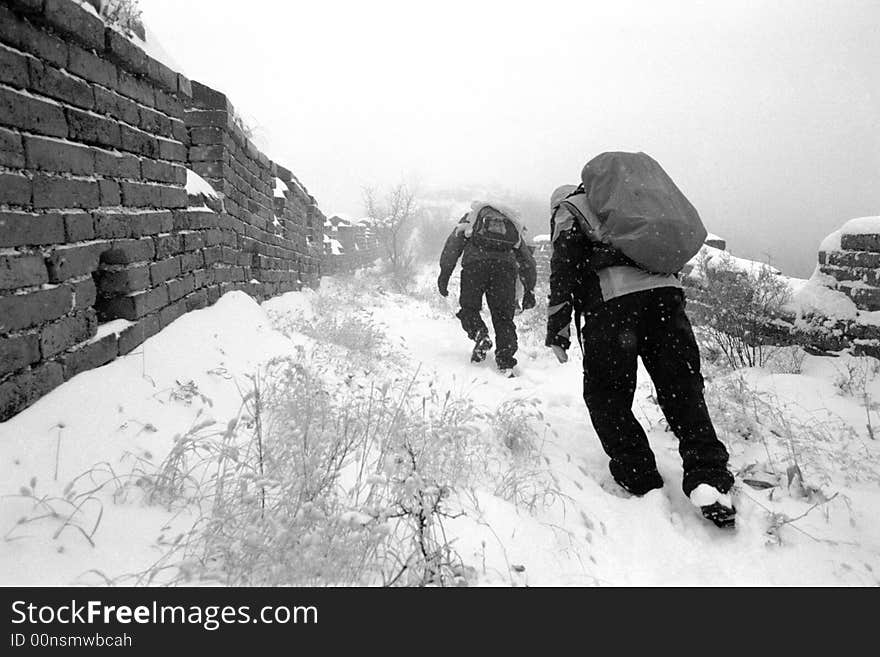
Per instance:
x=624, y=311
x=489, y=240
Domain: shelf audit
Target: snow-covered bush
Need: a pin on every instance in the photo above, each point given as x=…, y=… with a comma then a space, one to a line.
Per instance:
x=737, y=308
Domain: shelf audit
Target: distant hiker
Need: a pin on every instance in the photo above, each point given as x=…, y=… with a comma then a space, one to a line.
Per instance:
x=489, y=240
x=619, y=240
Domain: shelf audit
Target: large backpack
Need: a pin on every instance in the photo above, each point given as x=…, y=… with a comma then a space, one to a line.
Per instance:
x=628, y=201
x=496, y=233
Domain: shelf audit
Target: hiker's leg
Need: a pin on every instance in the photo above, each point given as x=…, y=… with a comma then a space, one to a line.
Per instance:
x=473, y=282
x=610, y=337
x=501, y=299
x=672, y=358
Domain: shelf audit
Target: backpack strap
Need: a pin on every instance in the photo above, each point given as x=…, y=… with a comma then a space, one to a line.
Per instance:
x=580, y=208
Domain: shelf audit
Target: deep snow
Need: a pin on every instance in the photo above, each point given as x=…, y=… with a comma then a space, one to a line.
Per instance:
x=589, y=535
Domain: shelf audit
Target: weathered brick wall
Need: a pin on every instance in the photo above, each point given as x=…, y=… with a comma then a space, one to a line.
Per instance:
x=95, y=138
x=360, y=247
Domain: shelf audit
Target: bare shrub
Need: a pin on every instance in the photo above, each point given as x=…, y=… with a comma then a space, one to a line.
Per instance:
x=126, y=14
x=737, y=309
x=394, y=218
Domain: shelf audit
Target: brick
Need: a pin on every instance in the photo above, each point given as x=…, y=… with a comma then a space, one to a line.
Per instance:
x=15, y=189
x=113, y=282
x=141, y=195
x=164, y=270
x=24, y=389
x=74, y=21
x=111, y=104
x=63, y=334
x=91, y=355
x=194, y=220
x=196, y=300
x=149, y=223
x=49, y=81
x=208, y=136
x=173, y=197
x=21, y=311
x=192, y=260
x=169, y=105
x=125, y=53
x=11, y=149
x=111, y=225
x=179, y=131
x=215, y=254
x=167, y=245
x=162, y=76
x=118, y=165
x=138, y=142
x=125, y=252
x=24, y=229
x=22, y=270
x=206, y=153
x=71, y=261
x=54, y=192
x=154, y=122
x=13, y=68
x=93, y=129
x=136, y=89
x=213, y=294
x=160, y=171
x=180, y=287
x=193, y=240
x=184, y=86
x=91, y=67
x=23, y=36
x=209, y=119
x=109, y=190
x=84, y=293
x=133, y=306
x=135, y=335
x=170, y=313
x=50, y=154
x=171, y=150
x=18, y=352
x=868, y=242
x=78, y=226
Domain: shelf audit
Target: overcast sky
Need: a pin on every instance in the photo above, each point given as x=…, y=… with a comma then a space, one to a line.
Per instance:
x=766, y=113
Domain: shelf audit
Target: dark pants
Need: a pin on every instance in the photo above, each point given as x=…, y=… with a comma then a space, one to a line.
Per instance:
x=497, y=281
x=653, y=325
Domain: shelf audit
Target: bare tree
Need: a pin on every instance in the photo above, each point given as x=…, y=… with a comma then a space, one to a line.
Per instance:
x=394, y=217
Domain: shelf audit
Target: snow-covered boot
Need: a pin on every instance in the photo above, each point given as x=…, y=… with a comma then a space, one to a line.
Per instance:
x=714, y=505
x=507, y=372
x=481, y=348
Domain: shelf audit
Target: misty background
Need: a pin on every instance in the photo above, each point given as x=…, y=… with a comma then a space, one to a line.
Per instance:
x=766, y=113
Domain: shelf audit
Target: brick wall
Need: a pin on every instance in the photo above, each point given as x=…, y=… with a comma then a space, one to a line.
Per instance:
x=359, y=243
x=95, y=222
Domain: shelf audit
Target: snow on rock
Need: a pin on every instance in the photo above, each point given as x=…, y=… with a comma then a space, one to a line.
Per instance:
x=196, y=185
x=280, y=188
x=541, y=239
x=816, y=297
x=857, y=226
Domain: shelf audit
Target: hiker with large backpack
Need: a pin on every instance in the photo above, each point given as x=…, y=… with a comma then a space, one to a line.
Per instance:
x=489, y=241
x=619, y=241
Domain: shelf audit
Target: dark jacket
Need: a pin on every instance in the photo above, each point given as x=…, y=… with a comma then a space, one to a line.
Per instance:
x=574, y=281
x=458, y=245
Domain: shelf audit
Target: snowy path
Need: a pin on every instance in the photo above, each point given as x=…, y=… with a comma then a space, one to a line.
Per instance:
x=132, y=407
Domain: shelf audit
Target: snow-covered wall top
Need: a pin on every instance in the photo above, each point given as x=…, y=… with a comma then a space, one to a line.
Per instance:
x=129, y=195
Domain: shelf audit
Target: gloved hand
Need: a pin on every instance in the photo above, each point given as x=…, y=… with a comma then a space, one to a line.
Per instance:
x=560, y=353
x=442, y=286
x=528, y=300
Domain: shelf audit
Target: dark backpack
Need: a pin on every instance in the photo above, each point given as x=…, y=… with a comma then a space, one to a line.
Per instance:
x=627, y=201
x=496, y=233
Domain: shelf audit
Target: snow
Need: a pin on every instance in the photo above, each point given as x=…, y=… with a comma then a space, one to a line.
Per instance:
x=541, y=239
x=857, y=226
x=582, y=536
x=705, y=495
x=817, y=297
x=154, y=48
x=714, y=238
x=280, y=188
x=196, y=185
x=715, y=257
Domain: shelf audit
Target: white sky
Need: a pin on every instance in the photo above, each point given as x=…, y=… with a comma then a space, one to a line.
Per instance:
x=766, y=113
